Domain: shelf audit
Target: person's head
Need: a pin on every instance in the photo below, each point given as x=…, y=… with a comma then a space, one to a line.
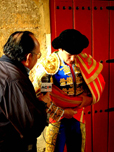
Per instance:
x=22, y=46
x=71, y=42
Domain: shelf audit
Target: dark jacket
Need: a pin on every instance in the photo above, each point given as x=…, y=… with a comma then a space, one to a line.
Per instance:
x=22, y=115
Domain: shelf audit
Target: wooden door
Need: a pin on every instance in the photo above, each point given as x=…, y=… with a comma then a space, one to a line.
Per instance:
x=95, y=19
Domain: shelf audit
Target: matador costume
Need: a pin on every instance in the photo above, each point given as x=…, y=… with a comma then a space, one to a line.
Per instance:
x=65, y=89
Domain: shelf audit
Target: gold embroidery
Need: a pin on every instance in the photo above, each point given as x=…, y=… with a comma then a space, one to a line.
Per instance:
x=79, y=80
x=100, y=84
x=69, y=80
x=89, y=61
x=83, y=131
x=51, y=135
x=76, y=69
x=97, y=90
x=84, y=55
x=65, y=90
x=84, y=65
x=62, y=82
x=55, y=112
x=51, y=64
x=65, y=68
x=94, y=76
x=93, y=95
x=71, y=91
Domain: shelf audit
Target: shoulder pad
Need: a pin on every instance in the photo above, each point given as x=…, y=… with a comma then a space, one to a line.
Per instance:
x=51, y=64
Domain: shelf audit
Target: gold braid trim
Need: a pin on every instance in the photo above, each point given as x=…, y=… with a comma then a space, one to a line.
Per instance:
x=83, y=131
x=51, y=136
x=92, y=64
x=55, y=112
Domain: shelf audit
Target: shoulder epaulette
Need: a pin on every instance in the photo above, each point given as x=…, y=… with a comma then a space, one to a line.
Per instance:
x=51, y=64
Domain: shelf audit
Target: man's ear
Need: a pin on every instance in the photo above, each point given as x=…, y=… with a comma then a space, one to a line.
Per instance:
x=28, y=60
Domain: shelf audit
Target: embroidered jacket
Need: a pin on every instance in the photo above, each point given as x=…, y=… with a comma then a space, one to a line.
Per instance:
x=66, y=89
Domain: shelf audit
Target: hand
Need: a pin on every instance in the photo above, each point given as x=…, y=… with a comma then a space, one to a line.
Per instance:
x=45, y=98
x=86, y=101
x=69, y=113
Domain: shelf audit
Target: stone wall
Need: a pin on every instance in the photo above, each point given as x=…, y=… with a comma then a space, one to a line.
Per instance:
x=32, y=15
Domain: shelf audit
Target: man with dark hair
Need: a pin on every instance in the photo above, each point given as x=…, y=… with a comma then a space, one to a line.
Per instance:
x=22, y=116
x=77, y=83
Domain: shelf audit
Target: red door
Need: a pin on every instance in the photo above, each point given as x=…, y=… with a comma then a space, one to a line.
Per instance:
x=95, y=19
x=111, y=81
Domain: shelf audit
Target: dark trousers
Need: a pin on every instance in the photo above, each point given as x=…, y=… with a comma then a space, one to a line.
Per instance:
x=69, y=134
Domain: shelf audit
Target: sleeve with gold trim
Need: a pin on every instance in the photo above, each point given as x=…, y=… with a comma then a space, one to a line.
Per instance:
x=91, y=72
x=49, y=66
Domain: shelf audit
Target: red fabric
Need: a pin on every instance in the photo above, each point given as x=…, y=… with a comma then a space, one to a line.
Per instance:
x=58, y=97
x=91, y=72
x=72, y=71
x=72, y=102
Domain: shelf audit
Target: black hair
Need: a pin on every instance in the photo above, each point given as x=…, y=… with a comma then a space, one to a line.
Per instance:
x=18, y=45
